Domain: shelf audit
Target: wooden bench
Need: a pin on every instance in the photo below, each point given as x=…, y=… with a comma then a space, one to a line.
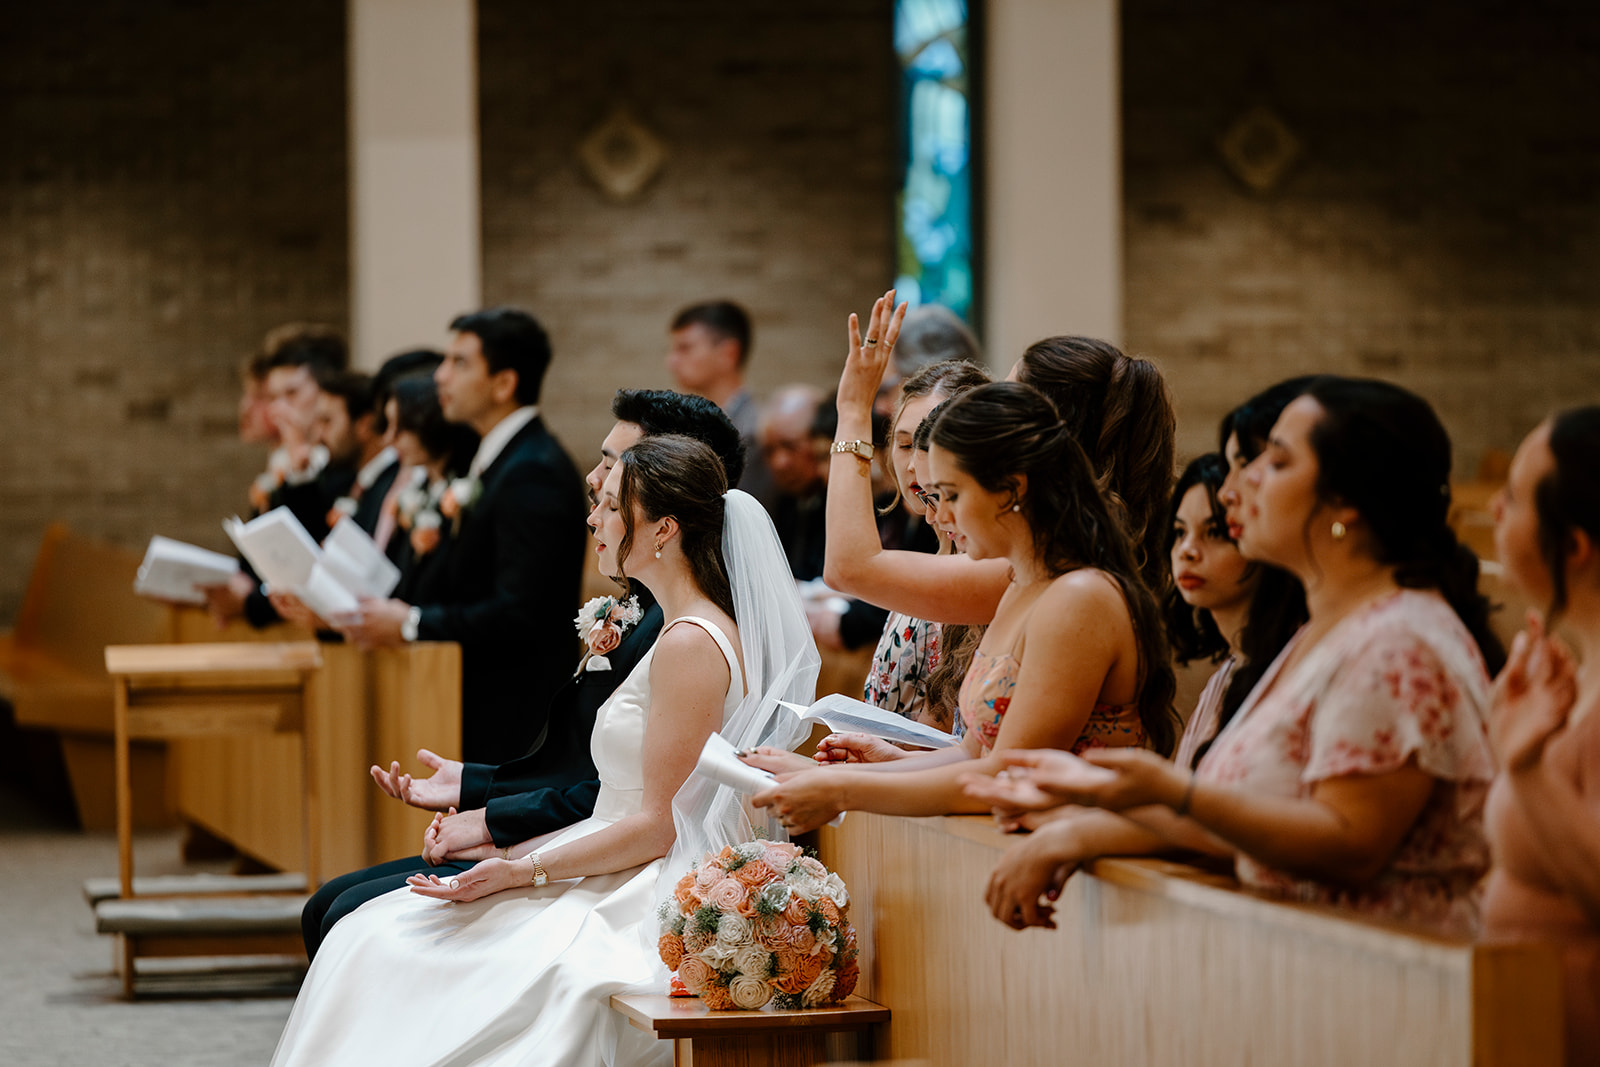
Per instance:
x=168, y=691
x=765, y=1038
x=79, y=599
x=1158, y=963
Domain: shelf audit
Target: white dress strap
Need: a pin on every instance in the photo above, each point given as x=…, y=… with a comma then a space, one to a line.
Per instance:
x=736, y=684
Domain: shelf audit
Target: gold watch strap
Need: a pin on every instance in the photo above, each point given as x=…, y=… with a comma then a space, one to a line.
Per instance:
x=860, y=449
x=540, y=876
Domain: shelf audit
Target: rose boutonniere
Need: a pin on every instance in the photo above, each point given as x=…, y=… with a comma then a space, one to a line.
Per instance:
x=425, y=532
x=601, y=623
x=412, y=499
x=343, y=508
x=462, y=494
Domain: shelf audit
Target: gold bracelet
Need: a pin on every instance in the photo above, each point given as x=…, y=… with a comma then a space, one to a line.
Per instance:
x=505, y=853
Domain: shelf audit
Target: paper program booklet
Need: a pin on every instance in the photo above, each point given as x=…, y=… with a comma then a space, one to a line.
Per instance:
x=173, y=570
x=329, y=578
x=841, y=714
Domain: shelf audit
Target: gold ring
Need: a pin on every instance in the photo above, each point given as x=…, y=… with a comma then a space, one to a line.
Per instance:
x=872, y=340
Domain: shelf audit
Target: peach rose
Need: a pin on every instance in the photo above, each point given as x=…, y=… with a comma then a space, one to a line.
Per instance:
x=697, y=974
x=728, y=895
x=810, y=967
x=671, y=949
x=802, y=939
x=755, y=873
x=424, y=539
x=845, y=978
x=830, y=911
x=813, y=866
x=798, y=912
x=604, y=639
x=772, y=931
x=707, y=876
x=715, y=997
x=698, y=941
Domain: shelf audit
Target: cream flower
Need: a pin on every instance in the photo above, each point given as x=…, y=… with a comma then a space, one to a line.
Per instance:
x=750, y=993
x=819, y=991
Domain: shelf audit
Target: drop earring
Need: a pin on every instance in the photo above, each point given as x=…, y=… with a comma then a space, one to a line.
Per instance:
x=658, y=550
x=1339, y=531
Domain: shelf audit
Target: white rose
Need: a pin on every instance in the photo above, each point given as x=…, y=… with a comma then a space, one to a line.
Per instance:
x=465, y=490
x=735, y=930
x=834, y=888
x=752, y=993
x=719, y=954
x=427, y=520
x=818, y=991
x=752, y=960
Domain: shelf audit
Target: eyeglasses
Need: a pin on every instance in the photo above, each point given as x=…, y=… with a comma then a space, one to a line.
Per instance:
x=929, y=500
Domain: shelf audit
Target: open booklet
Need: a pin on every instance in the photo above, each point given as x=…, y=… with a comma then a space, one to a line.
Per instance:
x=842, y=714
x=173, y=570
x=329, y=578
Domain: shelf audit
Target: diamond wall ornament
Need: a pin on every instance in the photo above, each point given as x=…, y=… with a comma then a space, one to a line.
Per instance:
x=1259, y=149
x=621, y=155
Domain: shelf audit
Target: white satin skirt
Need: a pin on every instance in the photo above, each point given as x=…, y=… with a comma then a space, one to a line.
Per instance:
x=519, y=977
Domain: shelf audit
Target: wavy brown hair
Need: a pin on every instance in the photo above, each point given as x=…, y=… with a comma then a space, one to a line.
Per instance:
x=671, y=475
x=1002, y=433
x=1119, y=411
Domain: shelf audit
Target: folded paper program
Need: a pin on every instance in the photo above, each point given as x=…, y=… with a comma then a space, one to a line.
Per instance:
x=843, y=715
x=329, y=578
x=173, y=570
x=721, y=764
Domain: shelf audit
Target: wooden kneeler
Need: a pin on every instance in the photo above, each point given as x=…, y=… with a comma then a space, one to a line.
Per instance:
x=167, y=691
x=765, y=1038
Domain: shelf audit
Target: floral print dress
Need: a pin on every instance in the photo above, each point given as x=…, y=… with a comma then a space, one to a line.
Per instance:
x=907, y=653
x=1399, y=681
x=986, y=696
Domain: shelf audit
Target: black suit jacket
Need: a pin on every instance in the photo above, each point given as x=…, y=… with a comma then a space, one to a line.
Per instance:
x=509, y=588
x=309, y=502
x=370, y=506
x=554, y=785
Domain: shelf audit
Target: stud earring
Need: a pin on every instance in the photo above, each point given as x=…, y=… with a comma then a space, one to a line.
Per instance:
x=1016, y=507
x=1339, y=531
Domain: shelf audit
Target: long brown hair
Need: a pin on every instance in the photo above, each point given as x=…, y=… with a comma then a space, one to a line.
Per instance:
x=1119, y=411
x=678, y=476
x=1001, y=433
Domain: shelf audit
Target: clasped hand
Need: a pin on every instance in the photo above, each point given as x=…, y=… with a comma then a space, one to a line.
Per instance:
x=456, y=836
x=1112, y=778
x=1533, y=697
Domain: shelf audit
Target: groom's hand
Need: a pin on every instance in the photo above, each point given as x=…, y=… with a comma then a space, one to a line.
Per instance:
x=452, y=833
x=437, y=792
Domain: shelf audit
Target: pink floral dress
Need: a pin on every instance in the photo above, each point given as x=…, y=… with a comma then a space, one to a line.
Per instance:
x=986, y=694
x=1400, y=680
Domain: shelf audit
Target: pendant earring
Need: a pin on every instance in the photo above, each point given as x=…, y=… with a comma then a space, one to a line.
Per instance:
x=658, y=551
x=1339, y=531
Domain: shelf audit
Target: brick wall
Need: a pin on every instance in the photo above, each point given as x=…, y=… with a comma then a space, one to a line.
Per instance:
x=777, y=122
x=172, y=183
x=1442, y=228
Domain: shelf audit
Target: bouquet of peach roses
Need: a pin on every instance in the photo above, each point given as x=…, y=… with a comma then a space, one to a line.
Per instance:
x=760, y=922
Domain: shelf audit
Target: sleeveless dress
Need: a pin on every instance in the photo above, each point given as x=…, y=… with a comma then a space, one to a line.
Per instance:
x=986, y=694
x=518, y=977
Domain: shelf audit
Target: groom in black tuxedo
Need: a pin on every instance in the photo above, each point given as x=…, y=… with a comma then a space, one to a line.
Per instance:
x=554, y=785
x=513, y=572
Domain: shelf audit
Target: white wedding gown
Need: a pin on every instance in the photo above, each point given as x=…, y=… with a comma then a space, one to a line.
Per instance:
x=524, y=976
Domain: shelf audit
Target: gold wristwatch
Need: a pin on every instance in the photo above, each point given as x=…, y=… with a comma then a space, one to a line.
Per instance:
x=860, y=449
x=540, y=877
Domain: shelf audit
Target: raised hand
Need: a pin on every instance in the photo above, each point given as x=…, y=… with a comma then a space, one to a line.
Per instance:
x=857, y=748
x=865, y=364
x=451, y=834
x=1028, y=879
x=489, y=876
x=438, y=791
x=1533, y=697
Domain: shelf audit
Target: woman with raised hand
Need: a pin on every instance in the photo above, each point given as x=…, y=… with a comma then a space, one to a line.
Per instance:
x=1075, y=657
x=909, y=648
x=515, y=960
x=1543, y=813
x=1355, y=773
x=1115, y=407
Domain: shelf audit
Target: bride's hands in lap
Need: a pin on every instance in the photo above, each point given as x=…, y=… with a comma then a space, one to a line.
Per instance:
x=491, y=876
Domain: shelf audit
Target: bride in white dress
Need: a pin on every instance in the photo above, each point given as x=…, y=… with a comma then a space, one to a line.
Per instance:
x=516, y=960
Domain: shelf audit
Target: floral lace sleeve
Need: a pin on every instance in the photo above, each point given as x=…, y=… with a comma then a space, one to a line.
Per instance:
x=1396, y=698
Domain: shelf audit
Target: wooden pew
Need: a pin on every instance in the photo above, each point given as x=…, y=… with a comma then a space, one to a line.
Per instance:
x=1156, y=963
x=80, y=599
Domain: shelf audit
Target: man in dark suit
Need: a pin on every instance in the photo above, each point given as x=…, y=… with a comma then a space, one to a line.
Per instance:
x=554, y=785
x=512, y=575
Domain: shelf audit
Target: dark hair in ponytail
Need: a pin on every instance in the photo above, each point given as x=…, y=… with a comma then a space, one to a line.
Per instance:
x=1192, y=631
x=668, y=474
x=1382, y=450
x=1119, y=411
x=1568, y=498
x=1007, y=431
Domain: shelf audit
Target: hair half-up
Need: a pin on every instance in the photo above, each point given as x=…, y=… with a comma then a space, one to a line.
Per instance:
x=1003, y=433
x=1568, y=498
x=671, y=475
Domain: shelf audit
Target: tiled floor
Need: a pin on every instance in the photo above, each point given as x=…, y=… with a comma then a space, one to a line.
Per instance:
x=60, y=1001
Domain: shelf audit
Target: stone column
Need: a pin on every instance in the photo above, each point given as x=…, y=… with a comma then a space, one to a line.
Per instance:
x=1053, y=200
x=415, y=238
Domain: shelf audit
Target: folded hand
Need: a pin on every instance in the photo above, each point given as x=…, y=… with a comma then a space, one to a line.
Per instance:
x=451, y=834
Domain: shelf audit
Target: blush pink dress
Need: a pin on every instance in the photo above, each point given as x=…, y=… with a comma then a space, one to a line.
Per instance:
x=1397, y=682
x=986, y=694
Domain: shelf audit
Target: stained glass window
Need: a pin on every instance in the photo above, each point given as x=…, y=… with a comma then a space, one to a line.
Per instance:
x=934, y=209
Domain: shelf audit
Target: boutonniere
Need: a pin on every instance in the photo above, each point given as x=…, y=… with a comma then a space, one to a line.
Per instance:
x=601, y=623
x=462, y=494
x=343, y=508
x=412, y=499
x=425, y=532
